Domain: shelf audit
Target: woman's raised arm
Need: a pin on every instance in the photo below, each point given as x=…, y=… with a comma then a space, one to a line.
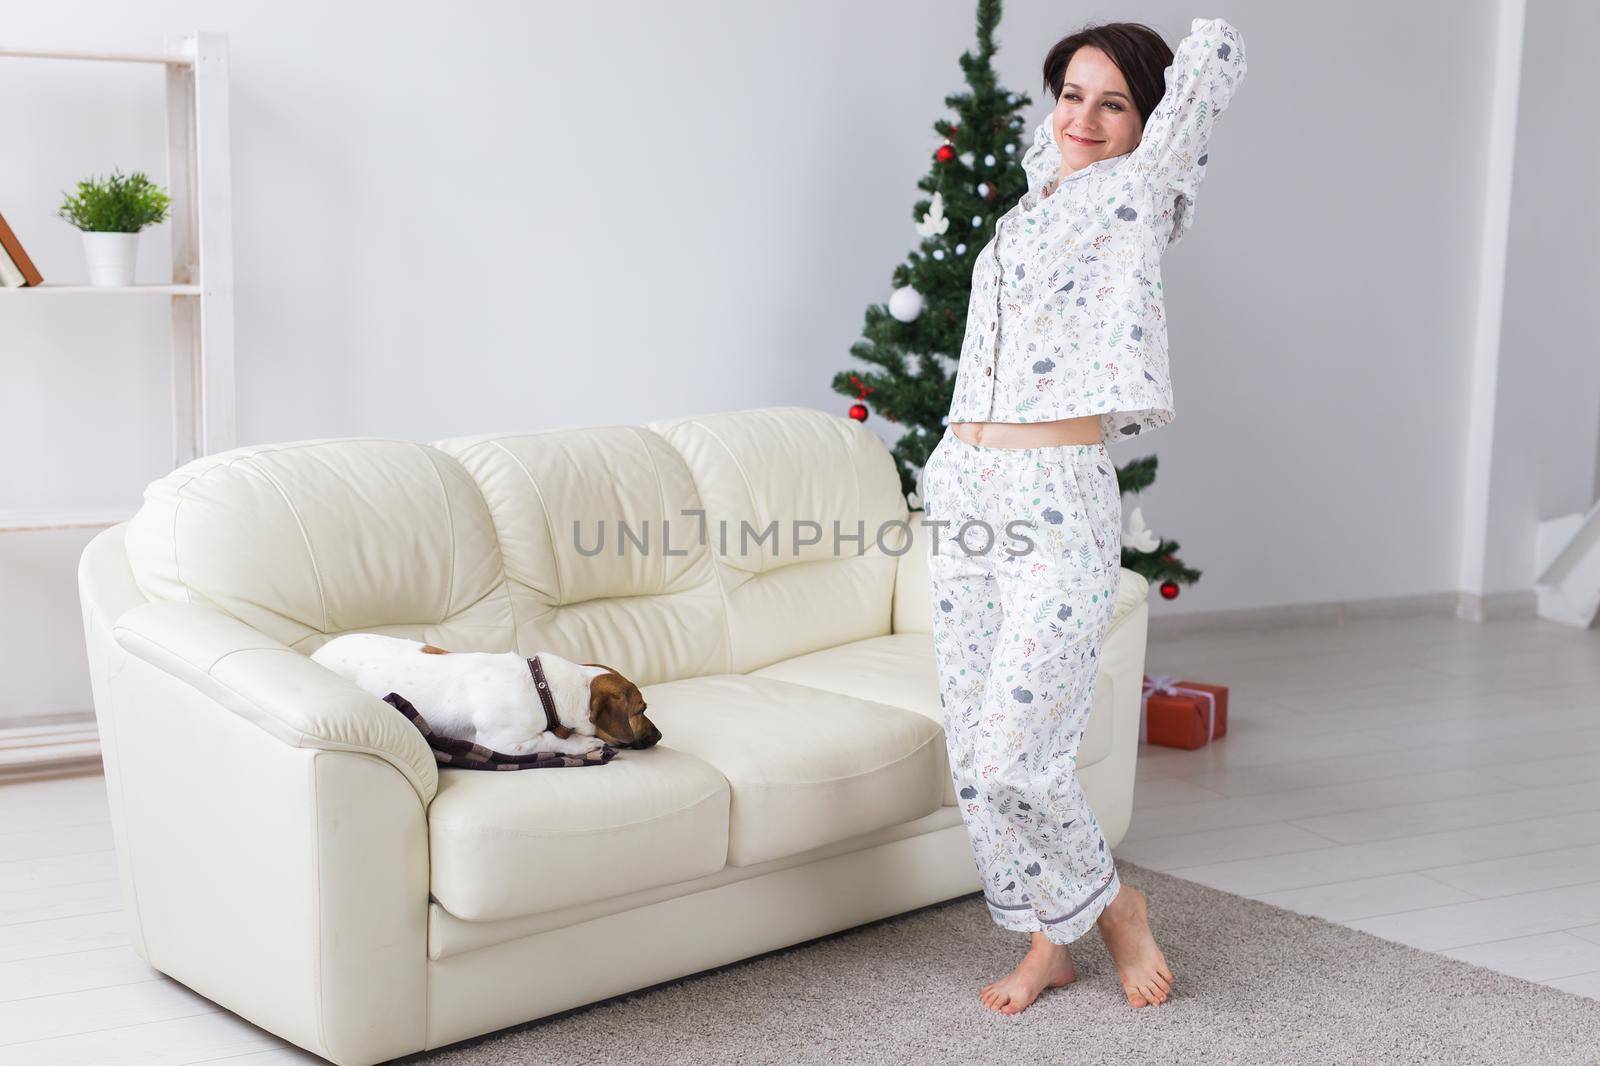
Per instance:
x=1206, y=69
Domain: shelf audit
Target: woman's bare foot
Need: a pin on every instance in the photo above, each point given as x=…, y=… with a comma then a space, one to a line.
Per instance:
x=1046, y=965
x=1125, y=928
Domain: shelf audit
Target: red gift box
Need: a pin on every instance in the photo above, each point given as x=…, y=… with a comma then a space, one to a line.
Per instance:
x=1181, y=714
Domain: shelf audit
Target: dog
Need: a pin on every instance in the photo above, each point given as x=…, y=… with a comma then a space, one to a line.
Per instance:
x=501, y=700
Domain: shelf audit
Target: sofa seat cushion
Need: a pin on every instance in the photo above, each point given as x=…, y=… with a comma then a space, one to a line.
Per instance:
x=899, y=669
x=510, y=844
x=806, y=766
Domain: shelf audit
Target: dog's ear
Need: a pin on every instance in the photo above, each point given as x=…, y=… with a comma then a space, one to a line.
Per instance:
x=632, y=699
x=609, y=707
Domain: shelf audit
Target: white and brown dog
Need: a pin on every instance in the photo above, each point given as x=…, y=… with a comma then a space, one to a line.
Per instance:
x=502, y=700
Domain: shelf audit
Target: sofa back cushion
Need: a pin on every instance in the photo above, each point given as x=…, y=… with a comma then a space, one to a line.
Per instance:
x=307, y=540
x=600, y=544
x=772, y=479
x=489, y=542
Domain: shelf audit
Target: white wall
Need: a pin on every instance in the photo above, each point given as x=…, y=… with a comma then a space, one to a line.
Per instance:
x=496, y=215
x=1547, y=410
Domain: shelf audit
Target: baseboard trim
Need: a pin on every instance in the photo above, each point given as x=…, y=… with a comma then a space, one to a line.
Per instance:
x=45, y=746
x=1500, y=605
x=1517, y=603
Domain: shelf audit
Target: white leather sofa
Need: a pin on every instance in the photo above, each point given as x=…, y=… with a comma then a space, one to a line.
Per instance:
x=286, y=844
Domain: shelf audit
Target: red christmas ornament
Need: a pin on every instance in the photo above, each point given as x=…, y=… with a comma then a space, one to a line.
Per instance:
x=945, y=153
x=858, y=411
x=1169, y=590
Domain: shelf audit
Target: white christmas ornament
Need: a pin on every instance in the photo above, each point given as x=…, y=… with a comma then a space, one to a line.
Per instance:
x=1139, y=536
x=961, y=249
x=1011, y=149
x=938, y=253
x=966, y=159
x=988, y=160
x=983, y=190
x=934, y=223
x=977, y=220
x=905, y=303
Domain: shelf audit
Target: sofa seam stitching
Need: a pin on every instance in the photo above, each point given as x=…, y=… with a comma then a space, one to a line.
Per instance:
x=316, y=922
x=116, y=726
x=661, y=500
x=450, y=525
x=504, y=830
x=748, y=487
x=555, y=554
x=499, y=547
x=717, y=565
x=301, y=736
x=913, y=753
x=316, y=571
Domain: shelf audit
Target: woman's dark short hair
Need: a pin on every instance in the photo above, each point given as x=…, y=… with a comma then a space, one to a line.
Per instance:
x=1136, y=49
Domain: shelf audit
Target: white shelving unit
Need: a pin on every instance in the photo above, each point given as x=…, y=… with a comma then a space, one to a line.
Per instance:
x=50, y=289
x=201, y=229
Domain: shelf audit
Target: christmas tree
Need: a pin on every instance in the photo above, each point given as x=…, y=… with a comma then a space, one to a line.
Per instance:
x=1143, y=551
x=913, y=343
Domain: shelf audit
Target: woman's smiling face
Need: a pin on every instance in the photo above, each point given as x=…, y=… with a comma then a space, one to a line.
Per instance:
x=1094, y=116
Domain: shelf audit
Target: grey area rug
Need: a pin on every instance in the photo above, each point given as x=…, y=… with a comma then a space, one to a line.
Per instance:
x=1253, y=983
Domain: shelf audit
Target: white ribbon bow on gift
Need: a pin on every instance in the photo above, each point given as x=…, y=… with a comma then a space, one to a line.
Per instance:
x=1163, y=683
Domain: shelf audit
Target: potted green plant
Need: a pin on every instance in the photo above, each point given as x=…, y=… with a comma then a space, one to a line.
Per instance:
x=111, y=212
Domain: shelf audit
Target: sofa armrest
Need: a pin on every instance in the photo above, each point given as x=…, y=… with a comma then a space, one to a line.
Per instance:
x=274, y=687
x=913, y=603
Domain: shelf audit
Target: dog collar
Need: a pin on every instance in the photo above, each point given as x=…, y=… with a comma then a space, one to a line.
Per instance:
x=542, y=686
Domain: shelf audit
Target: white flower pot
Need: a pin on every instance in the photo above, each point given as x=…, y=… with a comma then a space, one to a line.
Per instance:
x=111, y=257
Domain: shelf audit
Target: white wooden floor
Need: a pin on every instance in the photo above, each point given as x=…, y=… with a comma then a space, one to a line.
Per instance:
x=1432, y=781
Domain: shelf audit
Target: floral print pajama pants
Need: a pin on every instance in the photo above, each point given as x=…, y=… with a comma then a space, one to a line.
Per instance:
x=1023, y=580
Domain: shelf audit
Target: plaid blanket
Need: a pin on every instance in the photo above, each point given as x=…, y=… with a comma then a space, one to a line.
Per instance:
x=465, y=755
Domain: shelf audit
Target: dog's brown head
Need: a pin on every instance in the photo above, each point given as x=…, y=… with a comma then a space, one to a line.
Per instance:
x=617, y=710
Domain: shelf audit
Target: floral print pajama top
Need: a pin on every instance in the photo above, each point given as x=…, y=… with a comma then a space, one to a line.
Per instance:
x=1066, y=316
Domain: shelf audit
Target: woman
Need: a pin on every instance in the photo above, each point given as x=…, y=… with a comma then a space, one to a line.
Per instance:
x=1065, y=343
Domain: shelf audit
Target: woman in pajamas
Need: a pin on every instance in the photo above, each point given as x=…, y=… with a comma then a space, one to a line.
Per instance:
x=1065, y=346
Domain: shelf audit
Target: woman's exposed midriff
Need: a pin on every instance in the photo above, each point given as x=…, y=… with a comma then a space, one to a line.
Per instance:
x=1084, y=430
